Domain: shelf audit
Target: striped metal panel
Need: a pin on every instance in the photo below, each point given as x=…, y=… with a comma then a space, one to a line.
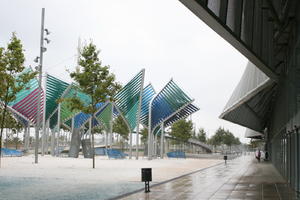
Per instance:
x=127, y=99
x=66, y=112
x=168, y=101
x=26, y=100
x=104, y=116
x=148, y=94
x=82, y=118
x=54, y=89
x=183, y=113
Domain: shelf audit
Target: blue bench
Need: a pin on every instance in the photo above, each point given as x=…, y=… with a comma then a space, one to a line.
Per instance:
x=11, y=152
x=113, y=153
x=176, y=154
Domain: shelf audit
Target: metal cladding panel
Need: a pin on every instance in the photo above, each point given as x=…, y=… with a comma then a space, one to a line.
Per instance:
x=21, y=120
x=28, y=105
x=253, y=134
x=251, y=100
x=148, y=94
x=54, y=90
x=245, y=24
x=233, y=21
x=157, y=130
x=180, y=114
x=68, y=124
x=53, y=120
x=104, y=116
x=167, y=102
x=183, y=113
x=252, y=80
x=28, y=89
x=82, y=118
x=66, y=112
x=243, y=116
x=214, y=6
x=128, y=99
x=257, y=27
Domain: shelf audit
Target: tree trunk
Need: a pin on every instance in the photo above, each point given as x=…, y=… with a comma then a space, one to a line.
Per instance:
x=2, y=125
x=17, y=140
x=93, y=141
x=6, y=138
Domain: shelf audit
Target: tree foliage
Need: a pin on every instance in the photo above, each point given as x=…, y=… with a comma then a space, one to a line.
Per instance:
x=201, y=135
x=11, y=123
x=15, y=128
x=223, y=136
x=182, y=130
x=12, y=80
x=120, y=127
x=93, y=79
x=144, y=135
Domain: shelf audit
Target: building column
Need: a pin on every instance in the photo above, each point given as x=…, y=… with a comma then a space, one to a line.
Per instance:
x=47, y=137
x=52, y=143
x=58, y=129
x=130, y=145
x=162, y=141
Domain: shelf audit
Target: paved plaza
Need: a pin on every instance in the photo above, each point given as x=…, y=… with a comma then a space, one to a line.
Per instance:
x=63, y=178
x=241, y=178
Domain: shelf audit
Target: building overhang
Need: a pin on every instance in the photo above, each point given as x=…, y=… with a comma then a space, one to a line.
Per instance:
x=216, y=19
x=251, y=102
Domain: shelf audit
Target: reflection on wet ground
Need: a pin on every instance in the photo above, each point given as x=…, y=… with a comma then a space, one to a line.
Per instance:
x=241, y=178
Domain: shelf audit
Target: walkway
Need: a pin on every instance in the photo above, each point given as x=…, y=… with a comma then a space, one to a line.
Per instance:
x=241, y=178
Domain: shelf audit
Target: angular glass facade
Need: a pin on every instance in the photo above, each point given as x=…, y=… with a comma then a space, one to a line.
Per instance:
x=267, y=33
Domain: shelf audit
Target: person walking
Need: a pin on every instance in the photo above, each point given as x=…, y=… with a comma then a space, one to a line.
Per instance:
x=258, y=155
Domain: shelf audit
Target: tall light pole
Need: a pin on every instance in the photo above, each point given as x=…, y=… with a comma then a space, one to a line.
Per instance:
x=40, y=70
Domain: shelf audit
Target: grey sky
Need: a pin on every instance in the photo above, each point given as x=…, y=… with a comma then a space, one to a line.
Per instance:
x=163, y=37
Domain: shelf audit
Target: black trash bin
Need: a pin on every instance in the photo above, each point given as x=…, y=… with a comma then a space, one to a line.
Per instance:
x=147, y=177
x=225, y=158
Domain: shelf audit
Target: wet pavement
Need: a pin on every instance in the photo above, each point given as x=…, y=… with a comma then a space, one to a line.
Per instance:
x=241, y=178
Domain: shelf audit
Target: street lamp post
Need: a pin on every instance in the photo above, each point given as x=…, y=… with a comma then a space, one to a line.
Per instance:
x=40, y=70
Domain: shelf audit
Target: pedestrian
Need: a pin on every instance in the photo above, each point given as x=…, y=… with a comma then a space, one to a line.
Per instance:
x=266, y=156
x=258, y=155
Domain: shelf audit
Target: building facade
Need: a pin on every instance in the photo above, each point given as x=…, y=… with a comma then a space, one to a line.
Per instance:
x=267, y=99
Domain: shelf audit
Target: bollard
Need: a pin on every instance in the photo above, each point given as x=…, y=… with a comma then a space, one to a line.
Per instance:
x=147, y=177
x=225, y=159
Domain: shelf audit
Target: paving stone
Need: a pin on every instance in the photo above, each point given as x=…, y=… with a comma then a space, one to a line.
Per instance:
x=241, y=178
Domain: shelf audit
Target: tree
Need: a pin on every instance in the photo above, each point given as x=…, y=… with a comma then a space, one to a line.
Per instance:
x=12, y=80
x=120, y=127
x=94, y=80
x=12, y=124
x=236, y=141
x=228, y=138
x=223, y=136
x=182, y=130
x=144, y=135
x=201, y=136
x=217, y=138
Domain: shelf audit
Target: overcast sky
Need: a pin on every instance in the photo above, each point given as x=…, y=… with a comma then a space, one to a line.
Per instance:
x=163, y=37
